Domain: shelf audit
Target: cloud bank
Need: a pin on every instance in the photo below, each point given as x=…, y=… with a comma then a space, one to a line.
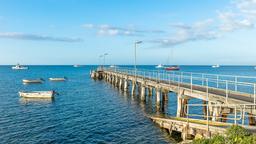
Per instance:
x=242, y=15
x=22, y=36
x=107, y=30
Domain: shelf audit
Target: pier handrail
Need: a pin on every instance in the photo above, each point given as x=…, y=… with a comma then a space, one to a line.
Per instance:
x=228, y=86
x=239, y=112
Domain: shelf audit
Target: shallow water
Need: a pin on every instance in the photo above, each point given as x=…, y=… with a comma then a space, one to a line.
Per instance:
x=85, y=111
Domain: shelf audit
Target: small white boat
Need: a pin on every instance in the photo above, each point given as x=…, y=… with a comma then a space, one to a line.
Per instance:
x=58, y=79
x=19, y=67
x=27, y=81
x=76, y=65
x=160, y=66
x=216, y=66
x=37, y=94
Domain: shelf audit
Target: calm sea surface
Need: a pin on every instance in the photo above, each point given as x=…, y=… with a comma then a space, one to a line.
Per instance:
x=85, y=111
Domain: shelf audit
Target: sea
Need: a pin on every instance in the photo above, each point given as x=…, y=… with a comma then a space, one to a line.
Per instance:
x=85, y=110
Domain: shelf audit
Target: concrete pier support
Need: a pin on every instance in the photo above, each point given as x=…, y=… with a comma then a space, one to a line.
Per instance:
x=252, y=120
x=182, y=101
x=116, y=81
x=133, y=88
x=158, y=96
x=142, y=93
x=150, y=91
x=120, y=83
x=215, y=111
x=125, y=85
x=165, y=95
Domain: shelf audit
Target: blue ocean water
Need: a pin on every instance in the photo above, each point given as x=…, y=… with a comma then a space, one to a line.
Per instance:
x=85, y=111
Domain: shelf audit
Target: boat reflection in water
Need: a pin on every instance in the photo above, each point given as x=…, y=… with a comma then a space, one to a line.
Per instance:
x=25, y=101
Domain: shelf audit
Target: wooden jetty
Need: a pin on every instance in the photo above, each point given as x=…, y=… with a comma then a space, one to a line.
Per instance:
x=225, y=97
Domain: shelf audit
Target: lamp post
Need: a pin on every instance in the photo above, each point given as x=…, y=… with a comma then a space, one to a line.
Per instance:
x=100, y=63
x=104, y=56
x=135, y=57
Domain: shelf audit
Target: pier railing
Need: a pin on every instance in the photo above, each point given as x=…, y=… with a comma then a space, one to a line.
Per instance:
x=227, y=83
x=238, y=113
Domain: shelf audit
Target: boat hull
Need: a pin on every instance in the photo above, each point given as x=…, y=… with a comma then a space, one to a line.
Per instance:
x=19, y=68
x=32, y=81
x=172, y=68
x=37, y=94
x=57, y=79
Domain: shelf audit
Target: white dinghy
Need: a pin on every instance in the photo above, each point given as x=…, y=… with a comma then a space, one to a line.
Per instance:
x=58, y=79
x=37, y=94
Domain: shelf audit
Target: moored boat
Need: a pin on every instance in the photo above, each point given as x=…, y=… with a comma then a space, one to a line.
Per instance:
x=19, y=67
x=160, y=66
x=28, y=81
x=58, y=79
x=172, y=68
x=216, y=66
x=76, y=65
x=37, y=94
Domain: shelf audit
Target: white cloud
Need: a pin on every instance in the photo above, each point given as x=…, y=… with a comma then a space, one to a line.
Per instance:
x=201, y=30
x=242, y=15
x=22, y=36
x=230, y=21
x=107, y=30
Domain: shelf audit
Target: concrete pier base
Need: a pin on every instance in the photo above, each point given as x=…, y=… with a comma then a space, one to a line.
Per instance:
x=142, y=93
x=133, y=88
x=158, y=96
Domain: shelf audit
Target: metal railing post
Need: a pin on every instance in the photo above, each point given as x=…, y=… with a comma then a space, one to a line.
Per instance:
x=191, y=83
x=226, y=91
x=236, y=83
x=243, y=115
x=207, y=89
x=254, y=94
x=235, y=115
x=202, y=79
x=207, y=117
x=217, y=81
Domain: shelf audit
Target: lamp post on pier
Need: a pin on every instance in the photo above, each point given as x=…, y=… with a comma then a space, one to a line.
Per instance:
x=135, y=57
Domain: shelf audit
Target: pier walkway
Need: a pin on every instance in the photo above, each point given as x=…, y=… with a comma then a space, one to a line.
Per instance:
x=226, y=99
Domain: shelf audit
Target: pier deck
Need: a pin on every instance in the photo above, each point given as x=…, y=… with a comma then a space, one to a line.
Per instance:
x=225, y=98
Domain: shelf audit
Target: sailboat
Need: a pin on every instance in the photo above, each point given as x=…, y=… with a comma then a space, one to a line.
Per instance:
x=19, y=67
x=160, y=66
x=172, y=67
x=216, y=66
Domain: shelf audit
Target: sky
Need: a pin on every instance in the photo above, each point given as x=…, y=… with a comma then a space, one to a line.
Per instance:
x=183, y=32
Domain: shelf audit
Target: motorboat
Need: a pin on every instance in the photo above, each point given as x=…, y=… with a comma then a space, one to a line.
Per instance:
x=37, y=94
x=112, y=66
x=216, y=66
x=160, y=66
x=58, y=79
x=30, y=81
x=172, y=68
x=19, y=67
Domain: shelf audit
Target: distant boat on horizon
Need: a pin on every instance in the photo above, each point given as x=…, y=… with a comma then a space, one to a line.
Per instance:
x=76, y=65
x=112, y=66
x=216, y=66
x=160, y=66
x=19, y=67
x=172, y=68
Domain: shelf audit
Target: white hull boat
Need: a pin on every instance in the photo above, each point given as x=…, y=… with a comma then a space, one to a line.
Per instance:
x=58, y=79
x=26, y=81
x=216, y=66
x=37, y=94
x=160, y=66
x=19, y=67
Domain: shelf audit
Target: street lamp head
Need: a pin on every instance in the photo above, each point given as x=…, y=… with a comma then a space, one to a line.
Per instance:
x=138, y=42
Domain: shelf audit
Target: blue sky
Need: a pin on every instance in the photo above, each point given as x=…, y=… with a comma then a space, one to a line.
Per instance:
x=78, y=31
